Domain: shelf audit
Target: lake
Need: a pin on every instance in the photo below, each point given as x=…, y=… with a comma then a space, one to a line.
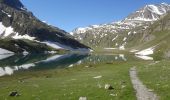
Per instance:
x=11, y=64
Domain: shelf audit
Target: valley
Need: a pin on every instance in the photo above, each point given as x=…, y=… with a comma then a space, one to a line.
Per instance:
x=123, y=60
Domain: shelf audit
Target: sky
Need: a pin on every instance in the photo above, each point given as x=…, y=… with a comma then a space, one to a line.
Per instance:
x=71, y=14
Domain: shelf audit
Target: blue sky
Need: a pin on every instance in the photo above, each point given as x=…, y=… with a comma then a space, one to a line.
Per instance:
x=70, y=14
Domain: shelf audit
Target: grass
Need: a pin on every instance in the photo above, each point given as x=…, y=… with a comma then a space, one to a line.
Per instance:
x=79, y=81
x=71, y=83
x=156, y=77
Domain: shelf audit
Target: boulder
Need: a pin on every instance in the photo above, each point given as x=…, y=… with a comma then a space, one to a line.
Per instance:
x=83, y=98
x=14, y=93
x=108, y=87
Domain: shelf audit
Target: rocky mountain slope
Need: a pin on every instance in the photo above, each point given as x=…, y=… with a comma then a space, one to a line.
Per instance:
x=124, y=34
x=155, y=39
x=21, y=31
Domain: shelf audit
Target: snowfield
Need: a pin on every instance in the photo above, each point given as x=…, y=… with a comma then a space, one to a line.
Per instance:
x=144, y=57
x=53, y=45
x=146, y=52
x=3, y=56
x=3, y=51
x=7, y=31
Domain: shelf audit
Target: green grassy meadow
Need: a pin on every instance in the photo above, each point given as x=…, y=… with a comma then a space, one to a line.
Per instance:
x=71, y=83
x=79, y=81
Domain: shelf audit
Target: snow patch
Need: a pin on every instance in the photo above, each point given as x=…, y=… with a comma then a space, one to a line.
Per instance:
x=6, y=13
x=3, y=56
x=4, y=51
x=110, y=48
x=146, y=52
x=9, y=71
x=115, y=38
x=8, y=31
x=134, y=32
x=125, y=38
x=123, y=57
x=155, y=9
x=26, y=66
x=2, y=28
x=53, y=44
x=122, y=47
x=6, y=71
x=70, y=65
x=129, y=33
x=25, y=53
x=144, y=57
x=134, y=50
x=52, y=58
x=141, y=19
x=81, y=30
x=17, y=36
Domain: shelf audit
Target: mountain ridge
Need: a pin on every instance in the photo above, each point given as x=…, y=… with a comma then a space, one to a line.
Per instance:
x=117, y=34
x=16, y=22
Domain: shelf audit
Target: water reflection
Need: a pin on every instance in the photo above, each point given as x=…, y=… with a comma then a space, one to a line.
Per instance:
x=59, y=61
x=11, y=64
x=103, y=58
x=37, y=62
x=3, y=56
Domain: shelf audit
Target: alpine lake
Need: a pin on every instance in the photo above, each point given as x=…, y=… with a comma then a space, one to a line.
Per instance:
x=75, y=75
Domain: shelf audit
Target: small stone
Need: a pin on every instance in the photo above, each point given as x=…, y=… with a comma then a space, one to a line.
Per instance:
x=14, y=93
x=108, y=87
x=97, y=77
x=83, y=98
x=87, y=66
x=113, y=95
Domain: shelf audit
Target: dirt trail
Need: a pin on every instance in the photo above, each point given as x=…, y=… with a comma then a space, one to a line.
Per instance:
x=142, y=93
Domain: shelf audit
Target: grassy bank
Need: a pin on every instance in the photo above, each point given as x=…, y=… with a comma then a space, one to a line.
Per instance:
x=71, y=83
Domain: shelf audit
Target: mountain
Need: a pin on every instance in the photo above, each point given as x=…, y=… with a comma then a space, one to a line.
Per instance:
x=124, y=34
x=21, y=31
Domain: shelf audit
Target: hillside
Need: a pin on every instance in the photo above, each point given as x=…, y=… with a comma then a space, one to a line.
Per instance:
x=19, y=24
x=124, y=34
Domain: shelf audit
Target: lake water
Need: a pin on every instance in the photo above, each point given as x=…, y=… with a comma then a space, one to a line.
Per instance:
x=11, y=64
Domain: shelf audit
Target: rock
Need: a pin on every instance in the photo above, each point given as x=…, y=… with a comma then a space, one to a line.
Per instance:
x=113, y=95
x=83, y=98
x=14, y=93
x=87, y=66
x=97, y=77
x=123, y=86
x=108, y=87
